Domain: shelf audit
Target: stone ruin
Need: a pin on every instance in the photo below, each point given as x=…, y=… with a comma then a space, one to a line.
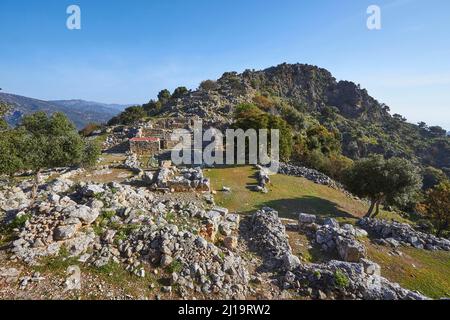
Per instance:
x=177, y=180
x=154, y=137
x=145, y=146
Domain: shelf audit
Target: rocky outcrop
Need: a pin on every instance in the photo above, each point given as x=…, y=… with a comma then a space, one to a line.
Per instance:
x=192, y=260
x=269, y=238
x=178, y=180
x=263, y=177
x=346, y=280
x=117, y=223
x=331, y=236
x=331, y=280
x=397, y=234
x=132, y=163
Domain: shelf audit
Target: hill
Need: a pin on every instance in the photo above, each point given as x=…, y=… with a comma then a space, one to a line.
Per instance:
x=79, y=111
x=306, y=95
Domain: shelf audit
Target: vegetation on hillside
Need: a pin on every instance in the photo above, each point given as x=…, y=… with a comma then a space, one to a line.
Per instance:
x=41, y=142
x=436, y=207
x=391, y=182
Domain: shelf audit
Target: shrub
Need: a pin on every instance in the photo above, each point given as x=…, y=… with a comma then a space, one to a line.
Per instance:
x=176, y=266
x=89, y=129
x=340, y=279
x=179, y=92
x=209, y=85
x=436, y=207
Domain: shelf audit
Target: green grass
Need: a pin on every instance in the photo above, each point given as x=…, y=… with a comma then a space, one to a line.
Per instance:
x=419, y=270
x=7, y=230
x=175, y=266
x=292, y=195
x=57, y=265
x=288, y=195
x=341, y=279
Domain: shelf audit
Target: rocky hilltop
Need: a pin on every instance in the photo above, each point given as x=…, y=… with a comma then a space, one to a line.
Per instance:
x=304, y=95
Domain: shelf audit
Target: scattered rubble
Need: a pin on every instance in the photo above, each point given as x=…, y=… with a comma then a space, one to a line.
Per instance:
x=178, y=180
x=396, y=234
x=312, y=175
x=132, y=163
x=330, y=236
x=332, y=280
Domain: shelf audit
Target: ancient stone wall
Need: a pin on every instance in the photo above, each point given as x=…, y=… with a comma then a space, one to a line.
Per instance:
x=145, y=146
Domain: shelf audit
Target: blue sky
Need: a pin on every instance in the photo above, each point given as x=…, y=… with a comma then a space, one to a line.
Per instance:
x=127, y=51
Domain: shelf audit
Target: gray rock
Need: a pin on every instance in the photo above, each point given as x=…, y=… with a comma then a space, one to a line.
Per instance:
x=66, y=232
x=350, y=250
x=291, y=262
x=84, y=213
x=201, y=243
x=305, y=218
x=331, y=222
x=166, y=260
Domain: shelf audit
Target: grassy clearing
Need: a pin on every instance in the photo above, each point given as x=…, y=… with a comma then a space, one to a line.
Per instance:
x=111, y=158
x=117, y=175
x=419, y=270
x=288, y=195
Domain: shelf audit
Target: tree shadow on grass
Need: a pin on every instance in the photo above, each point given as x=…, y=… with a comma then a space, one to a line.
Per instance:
x=290, y=208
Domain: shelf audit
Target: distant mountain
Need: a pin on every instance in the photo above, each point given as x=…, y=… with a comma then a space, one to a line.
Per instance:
x=79, y=112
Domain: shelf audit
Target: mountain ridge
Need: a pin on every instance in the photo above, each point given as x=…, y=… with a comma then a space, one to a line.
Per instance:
x=79, y=111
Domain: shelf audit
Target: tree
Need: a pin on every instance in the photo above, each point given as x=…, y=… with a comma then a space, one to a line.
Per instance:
x=422, y=125
x=90, y=128
x=437, y=131
x=164, y=96
x=4, y=108
x=11, y=153
x=152, y=107
x=432, y=177
x=130, y=116
x=248, y=116
x=41, y=142
x=393, y=181
x=399, y=117
x=319, y=137
x=436, y=207
x=209, y=85
x=49, y=142
x=179, y=92
x=92, y=151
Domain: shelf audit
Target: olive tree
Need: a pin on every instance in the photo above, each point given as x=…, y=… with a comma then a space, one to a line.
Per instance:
x=41, y=142
x=393, y=181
